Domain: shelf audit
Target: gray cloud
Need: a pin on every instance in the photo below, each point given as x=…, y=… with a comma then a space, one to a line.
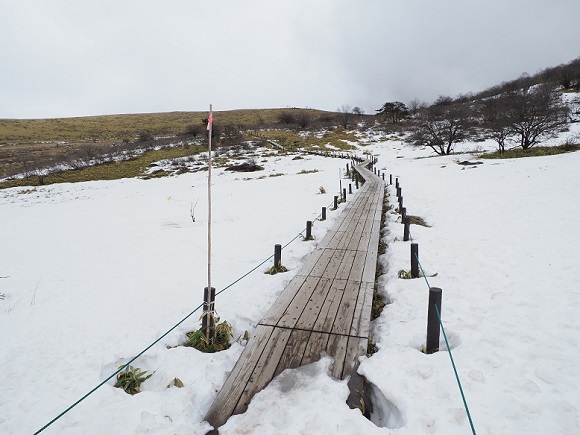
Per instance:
x=71, y=58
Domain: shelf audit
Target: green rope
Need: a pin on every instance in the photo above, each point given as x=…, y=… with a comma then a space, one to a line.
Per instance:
x=455, y=371
x=448, y=348
x=161, y=337
x=157, y=341
x=117, y=372
x=261, y=264
x=422, y=271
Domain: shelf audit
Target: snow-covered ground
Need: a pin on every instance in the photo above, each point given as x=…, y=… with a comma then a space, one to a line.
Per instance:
x=97, y=271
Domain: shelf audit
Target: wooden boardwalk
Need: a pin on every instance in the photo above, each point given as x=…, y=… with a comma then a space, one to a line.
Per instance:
x=325, y=308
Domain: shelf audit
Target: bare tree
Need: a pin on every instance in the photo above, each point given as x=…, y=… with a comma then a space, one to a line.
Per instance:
x=534, y=113
x=415, y=104
x=494, y=114
x=443, y=100
x=231, y=134
x=344, y=115
x=303, y=119
x=193, y=130
x=286, y=118
x=441, y=127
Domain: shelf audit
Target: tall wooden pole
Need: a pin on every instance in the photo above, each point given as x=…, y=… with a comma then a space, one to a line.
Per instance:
x=209, y=294
x=209, y=127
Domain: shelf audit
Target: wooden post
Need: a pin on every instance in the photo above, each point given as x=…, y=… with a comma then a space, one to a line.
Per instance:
x=349, y=188
x=207, y=321
x=323, y=217
x=356, y=182
x=390, y=179
x=344, y=194
x=277, y=256
x=401, y=202
x=414, y=260
x=407, y=229
x=383, y=175
x=308, y=230
x=397, y=182
x=335, y=202
x=433, y=325
x=403, y=214
x=398, y=192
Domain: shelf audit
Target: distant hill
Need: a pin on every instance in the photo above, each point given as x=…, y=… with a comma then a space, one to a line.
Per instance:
x=129, y=126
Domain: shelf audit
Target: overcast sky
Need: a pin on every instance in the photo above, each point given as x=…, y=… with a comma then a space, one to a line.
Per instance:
x=89, y=57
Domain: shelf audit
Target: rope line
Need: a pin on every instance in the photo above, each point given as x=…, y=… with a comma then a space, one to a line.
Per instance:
x=117, y=372
x=121, y=368
x=465, y=405
x=455, y=371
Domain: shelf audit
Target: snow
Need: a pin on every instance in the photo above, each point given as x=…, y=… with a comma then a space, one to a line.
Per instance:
x=97, y=271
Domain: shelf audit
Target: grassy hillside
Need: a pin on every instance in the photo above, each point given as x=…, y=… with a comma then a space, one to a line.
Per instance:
x=85, y=147
x=119, y=127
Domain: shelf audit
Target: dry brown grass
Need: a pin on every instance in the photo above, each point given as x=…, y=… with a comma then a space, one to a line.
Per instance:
x=118, y=127
x=26, y=144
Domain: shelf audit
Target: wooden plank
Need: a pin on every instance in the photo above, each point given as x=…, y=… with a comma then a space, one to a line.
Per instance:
x=333, y=265
x=360, y=326
x=357, y=234
x=316, y=344
x=329, y=309
x=363, y=244
x=358, y=265
x=264, y=370
x=346, y=263
x=336, y=348
x=294, y=310
x=356, y=348
x=311, y=261
x=328, y=237
x=295, y=347
x=345, y=314
x=340, y=235
x=370, y=267
x=227, y=399
x=284, y=300
x=352, y=232
x=312, y=309
x=322, y=264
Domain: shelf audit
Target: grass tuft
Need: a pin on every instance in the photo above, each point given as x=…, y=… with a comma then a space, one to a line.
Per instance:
x=130, y=379
x=417, y=220
x=223, y=336
x=308, y=171
x=377, y=306
x=276, y=269
x=403, y=274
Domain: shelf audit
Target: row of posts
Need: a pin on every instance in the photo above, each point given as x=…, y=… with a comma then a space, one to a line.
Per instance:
x=435, y=293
